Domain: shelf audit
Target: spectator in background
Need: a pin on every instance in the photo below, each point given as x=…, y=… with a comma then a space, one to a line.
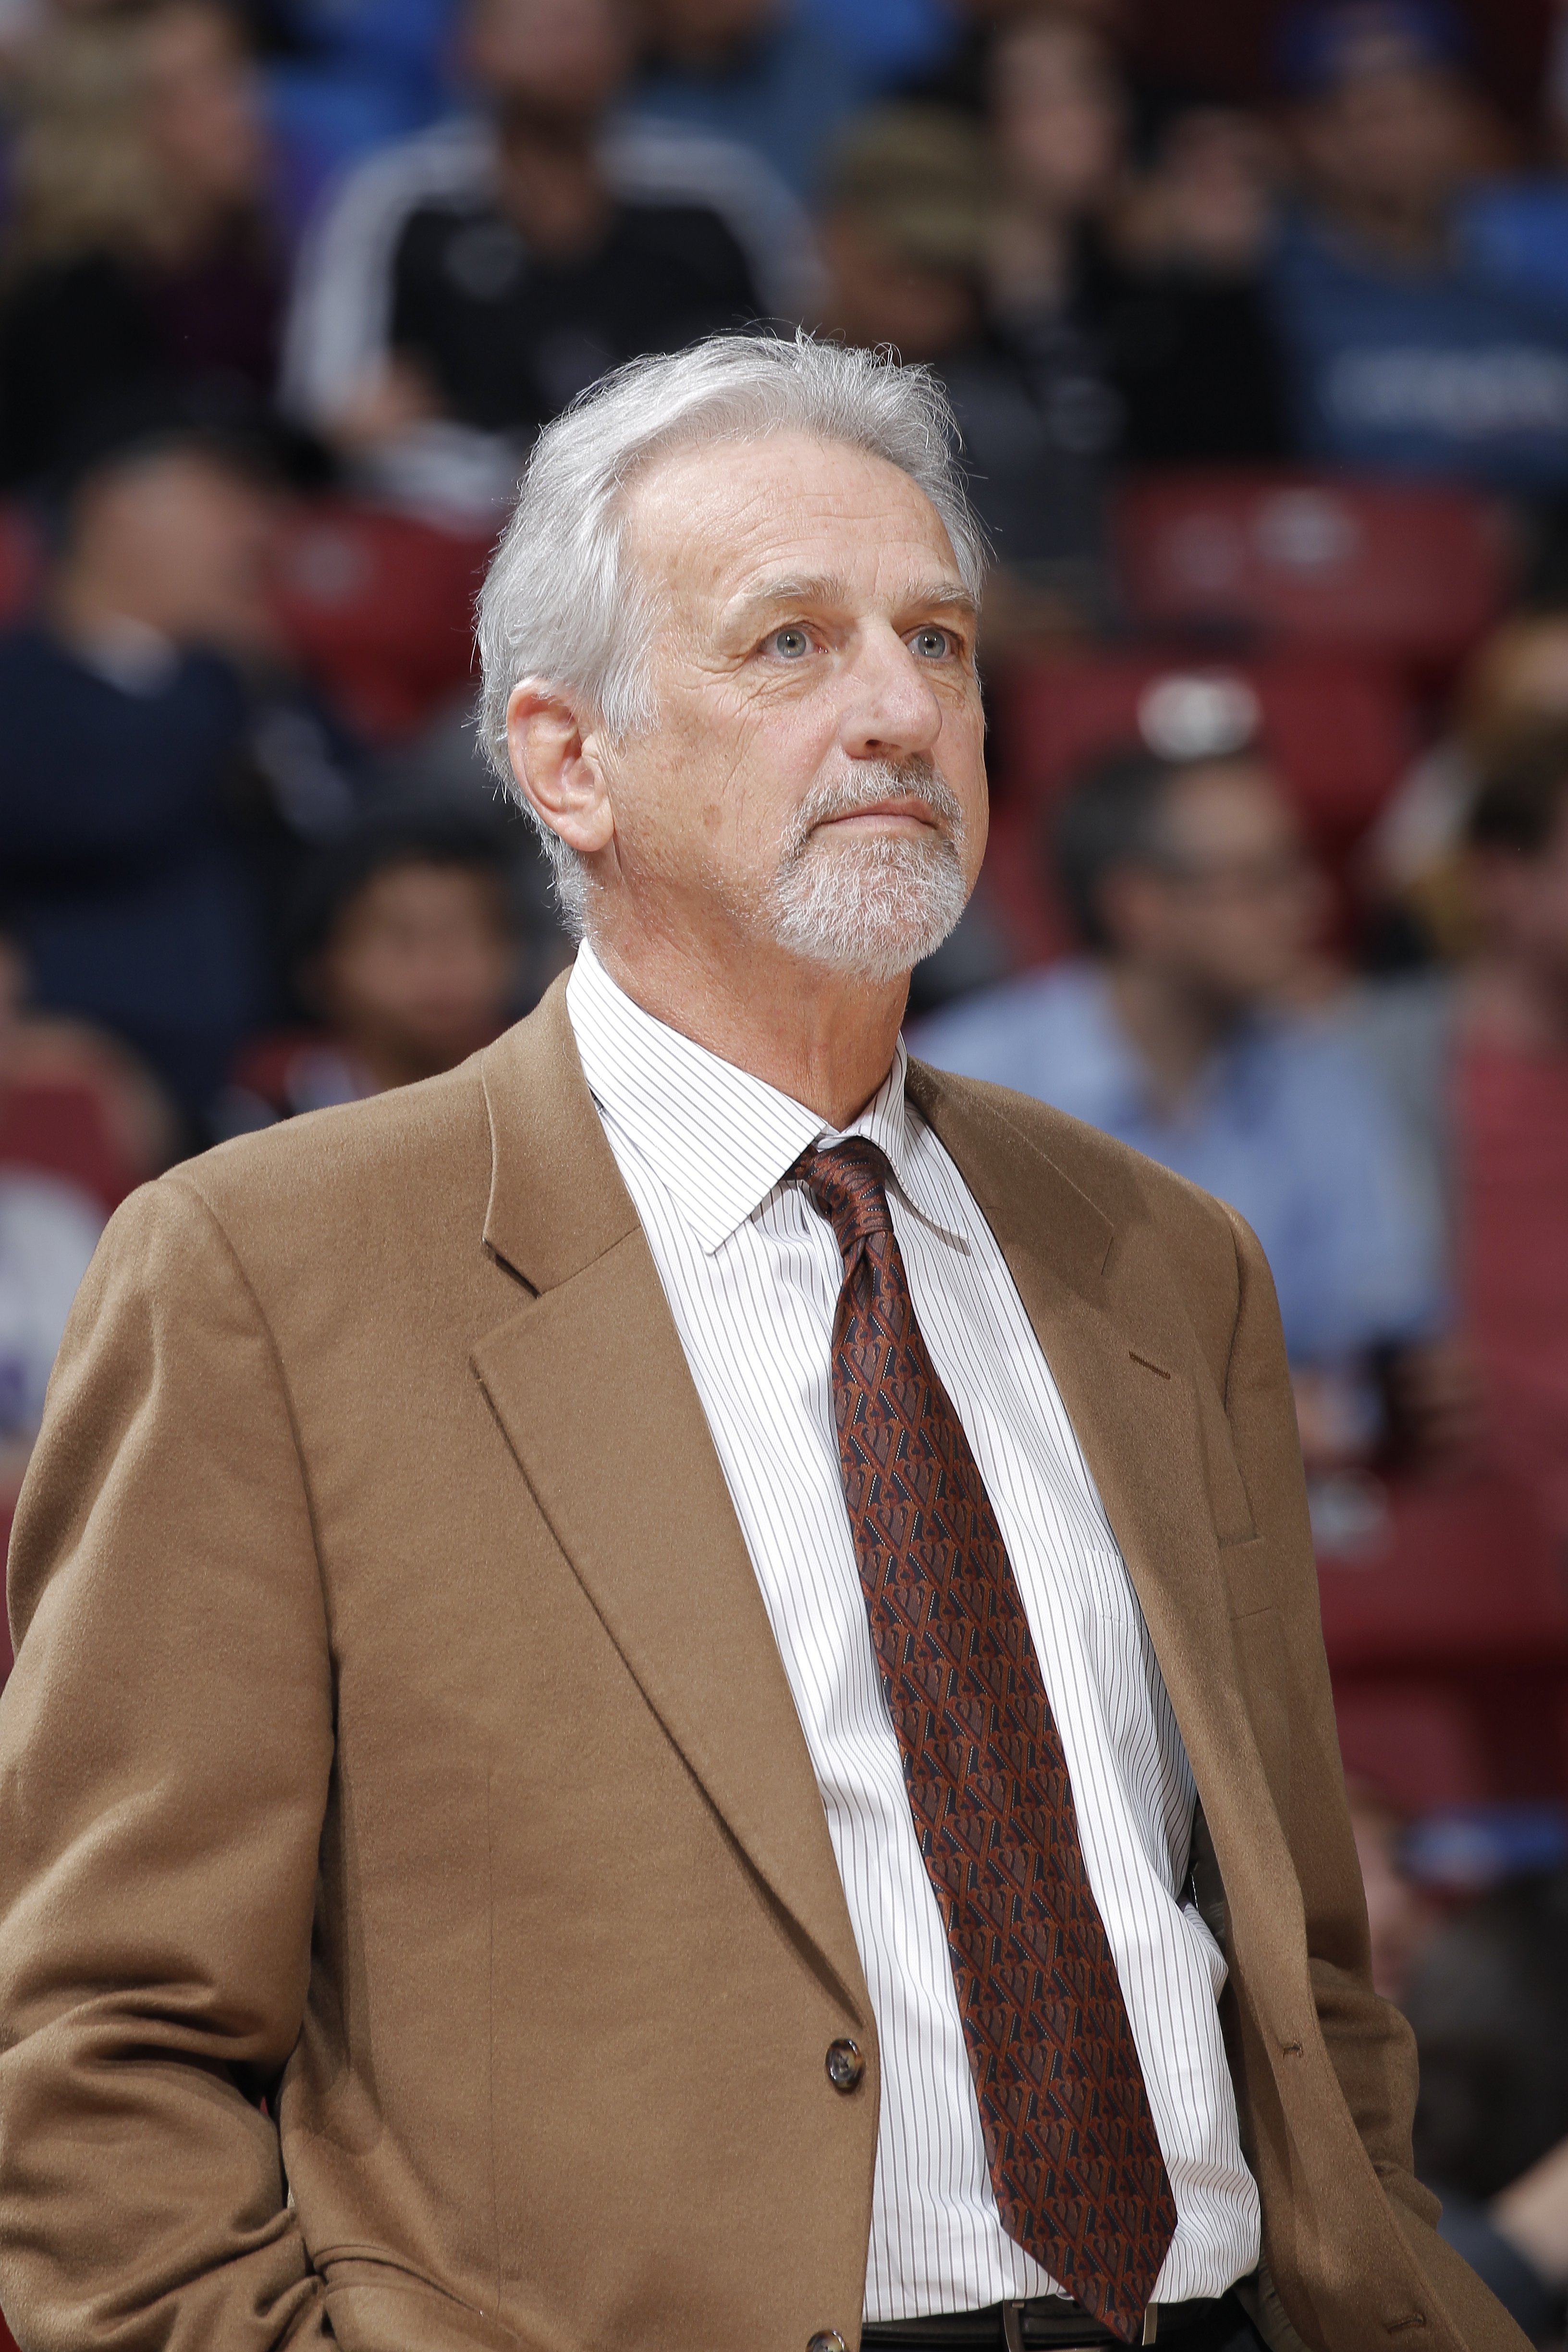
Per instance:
x=1407, y=357
x=1057, y=114
x=75, y=1136
x=347, y=77
x=49, y=1230
x=1510, y=1107
x=1190, y=886
x=909, y=213
x=1515, y=231
x=1514, y=685
x=887, y=42
x=757, y=70
x=1476, y=1062
x=74, y=1102
x=1154, y=281
x=1489, y=2001
x=1517, y=226
x=406, y=946
x=961, y=77
x=1399, y=1913
x=139, y=251
x=135, y=725
x=466, y=285
x=1180, y=298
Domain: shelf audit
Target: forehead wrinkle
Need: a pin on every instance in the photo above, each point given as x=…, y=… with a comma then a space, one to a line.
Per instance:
x=793, y=589
x=948, y=595
x=722, y=518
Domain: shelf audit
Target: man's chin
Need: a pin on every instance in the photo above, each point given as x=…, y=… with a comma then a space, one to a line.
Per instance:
x=871, y=919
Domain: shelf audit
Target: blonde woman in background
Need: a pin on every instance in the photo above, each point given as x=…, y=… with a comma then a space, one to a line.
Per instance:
x=139, y=251
x=1514, y=687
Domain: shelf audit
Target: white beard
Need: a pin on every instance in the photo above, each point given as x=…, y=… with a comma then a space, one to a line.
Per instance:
x=873, y=904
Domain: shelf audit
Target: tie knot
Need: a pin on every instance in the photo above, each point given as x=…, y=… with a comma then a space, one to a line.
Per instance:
x=849, y=1185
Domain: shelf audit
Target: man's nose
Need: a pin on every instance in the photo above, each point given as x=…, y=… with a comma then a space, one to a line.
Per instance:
x=893, y=710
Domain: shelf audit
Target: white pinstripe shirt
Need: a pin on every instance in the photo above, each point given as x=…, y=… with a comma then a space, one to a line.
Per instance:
x=752, y=1274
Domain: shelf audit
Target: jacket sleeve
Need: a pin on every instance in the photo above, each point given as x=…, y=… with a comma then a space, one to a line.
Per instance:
x=166, y=1745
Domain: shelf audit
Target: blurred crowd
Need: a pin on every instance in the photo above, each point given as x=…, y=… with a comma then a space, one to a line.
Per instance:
x=1254, y=322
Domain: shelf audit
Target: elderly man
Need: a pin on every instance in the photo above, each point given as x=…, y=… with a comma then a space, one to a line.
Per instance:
x=669, y=1690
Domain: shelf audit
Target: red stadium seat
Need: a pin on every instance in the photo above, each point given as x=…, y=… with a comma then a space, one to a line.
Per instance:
x=1420, y=1744
x=1460, y=1573
x=1408, y=573
x=1340, y=731
x=378, y=609
x=1448, y=1639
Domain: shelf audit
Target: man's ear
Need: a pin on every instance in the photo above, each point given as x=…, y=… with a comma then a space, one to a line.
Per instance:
x=557, y=766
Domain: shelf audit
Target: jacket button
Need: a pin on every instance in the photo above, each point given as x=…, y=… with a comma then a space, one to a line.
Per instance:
x=845, y=2068
x=829, y=2340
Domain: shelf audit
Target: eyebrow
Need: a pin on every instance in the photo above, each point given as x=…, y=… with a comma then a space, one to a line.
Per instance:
x=943, y=596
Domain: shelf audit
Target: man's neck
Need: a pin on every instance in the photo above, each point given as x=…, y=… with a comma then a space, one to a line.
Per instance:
x=1174, y=1030
x=825, y=1038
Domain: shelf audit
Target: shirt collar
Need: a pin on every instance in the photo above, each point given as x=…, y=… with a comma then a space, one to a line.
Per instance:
x=717, y=1138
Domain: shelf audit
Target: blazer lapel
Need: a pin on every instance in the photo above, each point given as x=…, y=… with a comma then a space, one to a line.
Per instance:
x=591, y=1386
x=1101, y=1304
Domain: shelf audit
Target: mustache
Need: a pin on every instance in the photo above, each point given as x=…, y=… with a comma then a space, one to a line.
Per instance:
x=869, y=781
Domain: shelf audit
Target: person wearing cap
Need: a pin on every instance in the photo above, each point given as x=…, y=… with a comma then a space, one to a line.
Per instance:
x=1196, y=904
x=1409, y=354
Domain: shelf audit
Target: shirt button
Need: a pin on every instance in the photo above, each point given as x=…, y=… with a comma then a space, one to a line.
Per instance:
x=845, y=2068
x=829, y=2340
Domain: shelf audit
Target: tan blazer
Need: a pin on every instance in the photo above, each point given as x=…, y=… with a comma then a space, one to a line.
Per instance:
x=418, y=1924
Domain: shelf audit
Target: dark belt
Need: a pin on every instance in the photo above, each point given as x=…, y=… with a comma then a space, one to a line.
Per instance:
x=1056, y=2322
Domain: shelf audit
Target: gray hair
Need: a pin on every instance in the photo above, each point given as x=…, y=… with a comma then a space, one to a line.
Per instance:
x=558, y=604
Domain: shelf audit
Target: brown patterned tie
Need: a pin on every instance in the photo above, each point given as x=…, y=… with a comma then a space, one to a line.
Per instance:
x=1080, y=2179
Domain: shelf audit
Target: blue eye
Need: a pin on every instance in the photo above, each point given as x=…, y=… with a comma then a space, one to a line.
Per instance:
x=790, y=644
x=932, y=644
